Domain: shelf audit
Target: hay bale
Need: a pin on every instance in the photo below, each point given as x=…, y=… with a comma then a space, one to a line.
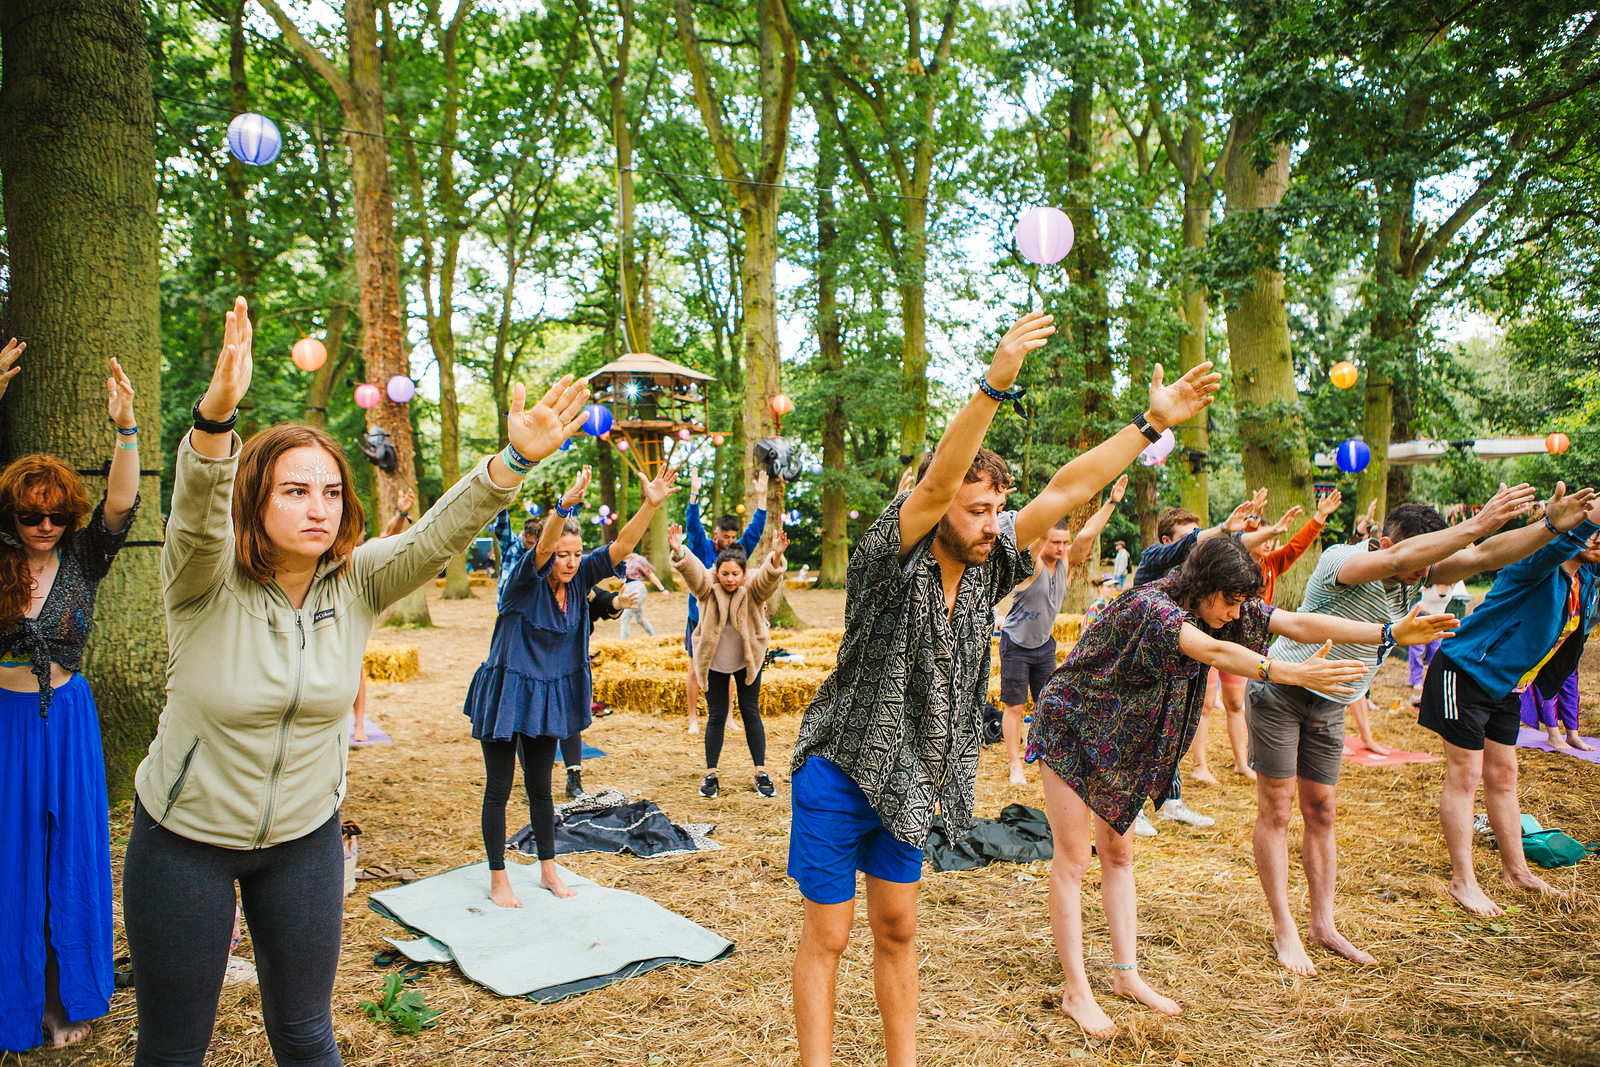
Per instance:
x=1067, y=629
x=391, y=663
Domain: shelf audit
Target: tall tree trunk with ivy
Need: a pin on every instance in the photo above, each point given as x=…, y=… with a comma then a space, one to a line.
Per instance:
x=1271, y=419
x=78, y=161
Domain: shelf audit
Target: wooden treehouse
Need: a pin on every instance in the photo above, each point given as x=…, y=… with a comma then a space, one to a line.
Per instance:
x=657, y=407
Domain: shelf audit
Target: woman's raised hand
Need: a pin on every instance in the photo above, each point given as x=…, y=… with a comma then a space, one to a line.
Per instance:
x=675, y=537
x=780, y=545
x=657, y=489
x=230, y=380
x=121, y=403
x=580, y=486
x=537, y=432
x=8, y=359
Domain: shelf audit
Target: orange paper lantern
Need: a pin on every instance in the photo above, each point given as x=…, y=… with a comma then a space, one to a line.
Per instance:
x=781, y=405
x=1343, y=374
x=1556, y=443
x=716, y=439
x=308, y=353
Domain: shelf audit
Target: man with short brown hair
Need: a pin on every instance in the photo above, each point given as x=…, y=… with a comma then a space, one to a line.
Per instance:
x=892, y=733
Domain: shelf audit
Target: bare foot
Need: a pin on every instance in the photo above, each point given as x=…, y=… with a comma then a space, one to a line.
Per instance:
x=1203, y=774
x=1373, y=746
x=1576, y=740
x=1529, y=882
x=1339, y=945
x=61, y=1033
x=552, y=881
x=1348, y=751
x=694, y=726
x=1088, y=1014
x=1246, y=771
x=358, y=734
x=1292, y=954
x=1557, y=741
x=1473, y=898
x=500, y=890
x=1129, y=984
x=1017, y=777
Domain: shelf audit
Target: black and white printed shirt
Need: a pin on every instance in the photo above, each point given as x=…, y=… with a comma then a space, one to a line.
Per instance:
x=900, y=713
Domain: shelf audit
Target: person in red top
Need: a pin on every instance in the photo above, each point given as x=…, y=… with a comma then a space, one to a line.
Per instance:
x=1273, y=561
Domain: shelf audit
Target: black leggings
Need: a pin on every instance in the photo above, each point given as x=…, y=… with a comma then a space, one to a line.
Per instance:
x=177, y=902
x=500, y=765
x=749, y=711
x=572, y=750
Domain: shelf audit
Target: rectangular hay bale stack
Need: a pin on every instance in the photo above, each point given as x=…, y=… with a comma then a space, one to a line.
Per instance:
x=391, y=663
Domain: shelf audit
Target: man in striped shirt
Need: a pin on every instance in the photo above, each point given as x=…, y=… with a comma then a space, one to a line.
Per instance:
x=1297, y=735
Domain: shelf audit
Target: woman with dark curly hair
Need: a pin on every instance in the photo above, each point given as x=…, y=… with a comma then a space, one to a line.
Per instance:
x=1113, y=721
x=55, y=866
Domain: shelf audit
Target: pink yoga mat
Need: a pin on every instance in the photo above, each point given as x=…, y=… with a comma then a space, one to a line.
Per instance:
x=1368, y=758
x=1530, y=738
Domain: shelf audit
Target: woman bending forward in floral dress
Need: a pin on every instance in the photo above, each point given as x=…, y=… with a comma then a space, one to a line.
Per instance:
x=1117, y=715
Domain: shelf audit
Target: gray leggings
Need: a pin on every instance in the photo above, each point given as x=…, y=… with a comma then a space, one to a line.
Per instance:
x=177, y=903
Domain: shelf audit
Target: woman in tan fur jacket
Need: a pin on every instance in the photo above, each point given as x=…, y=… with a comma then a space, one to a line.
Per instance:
x=731, y=643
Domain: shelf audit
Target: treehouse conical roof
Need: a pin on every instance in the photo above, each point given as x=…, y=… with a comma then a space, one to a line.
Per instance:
x=643, y=365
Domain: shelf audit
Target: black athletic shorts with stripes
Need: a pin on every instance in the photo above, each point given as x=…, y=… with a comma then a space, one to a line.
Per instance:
x=1457, y=710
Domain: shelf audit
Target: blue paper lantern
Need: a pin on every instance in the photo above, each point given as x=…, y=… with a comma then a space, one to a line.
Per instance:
x=533, y=509
x=597, y=420
x=1352, y=455
x=254, y=139
x=566, y=445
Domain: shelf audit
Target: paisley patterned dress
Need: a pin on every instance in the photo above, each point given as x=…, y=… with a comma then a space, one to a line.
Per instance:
x=1122, y=709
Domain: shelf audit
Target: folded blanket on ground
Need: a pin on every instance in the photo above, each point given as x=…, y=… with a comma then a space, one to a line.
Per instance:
x=1020, y=835
x=608, y=822
x=548, y=948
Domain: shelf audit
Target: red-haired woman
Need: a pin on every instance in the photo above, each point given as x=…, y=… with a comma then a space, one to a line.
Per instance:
x=269, y=605
x=55, y=864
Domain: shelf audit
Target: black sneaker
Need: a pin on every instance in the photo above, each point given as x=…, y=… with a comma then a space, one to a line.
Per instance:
x=574, y=782
x=708, y=788
x=764, y=785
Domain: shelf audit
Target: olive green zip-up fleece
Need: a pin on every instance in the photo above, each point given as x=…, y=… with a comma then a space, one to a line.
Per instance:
x=252, y=745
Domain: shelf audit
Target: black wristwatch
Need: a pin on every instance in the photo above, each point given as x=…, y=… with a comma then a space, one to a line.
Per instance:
x=1151, y=434
x=205, y=425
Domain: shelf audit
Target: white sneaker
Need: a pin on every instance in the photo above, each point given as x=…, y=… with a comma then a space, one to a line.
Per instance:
x=1143, y=827
x=1178, y=811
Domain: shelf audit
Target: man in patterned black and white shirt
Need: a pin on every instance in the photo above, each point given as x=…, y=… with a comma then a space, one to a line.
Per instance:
x=892, y=734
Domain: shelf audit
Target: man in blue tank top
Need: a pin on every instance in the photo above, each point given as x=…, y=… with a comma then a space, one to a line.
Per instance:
x=1027, y=639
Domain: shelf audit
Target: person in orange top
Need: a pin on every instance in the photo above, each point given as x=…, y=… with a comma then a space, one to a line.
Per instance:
x=1273, y=561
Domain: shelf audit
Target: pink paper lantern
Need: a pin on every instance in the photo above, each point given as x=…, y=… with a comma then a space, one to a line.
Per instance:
x=401, y=389
x=367, y=395
x=1044, y=235
x=683, y=434
x=1155, y=453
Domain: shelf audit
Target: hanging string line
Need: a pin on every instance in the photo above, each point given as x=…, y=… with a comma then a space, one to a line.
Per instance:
x=472, y=150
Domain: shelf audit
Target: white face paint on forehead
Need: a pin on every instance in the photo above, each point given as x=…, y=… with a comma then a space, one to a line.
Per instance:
x=316, y=475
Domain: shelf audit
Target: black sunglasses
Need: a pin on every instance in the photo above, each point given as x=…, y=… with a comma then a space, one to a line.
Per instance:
x=34, y=518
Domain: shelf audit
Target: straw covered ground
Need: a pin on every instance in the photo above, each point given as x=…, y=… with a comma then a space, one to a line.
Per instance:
x=1448, y=990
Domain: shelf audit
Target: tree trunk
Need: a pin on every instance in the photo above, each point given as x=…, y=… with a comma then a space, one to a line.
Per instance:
x=835, y=528
x=325, y=376
x=1271, y=422
x=1194, y=435
x=78, y=160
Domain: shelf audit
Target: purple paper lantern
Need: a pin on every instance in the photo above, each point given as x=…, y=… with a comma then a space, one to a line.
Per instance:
x=1044, y=235
x=254, y=139
x=1155, y=453
x=400, y=389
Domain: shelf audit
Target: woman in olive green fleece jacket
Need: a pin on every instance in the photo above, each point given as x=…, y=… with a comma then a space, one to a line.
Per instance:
x=269, y=605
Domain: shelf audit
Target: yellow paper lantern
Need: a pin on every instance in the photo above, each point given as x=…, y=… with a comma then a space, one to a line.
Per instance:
x=1343, y=374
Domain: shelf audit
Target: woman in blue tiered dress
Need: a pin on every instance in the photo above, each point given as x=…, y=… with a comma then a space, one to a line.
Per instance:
x=534, y=688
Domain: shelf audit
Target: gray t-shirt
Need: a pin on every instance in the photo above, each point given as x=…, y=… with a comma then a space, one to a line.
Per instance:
x=1375, y=602
x=1034, y=607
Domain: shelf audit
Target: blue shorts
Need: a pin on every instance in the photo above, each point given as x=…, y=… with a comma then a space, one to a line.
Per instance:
x=835, y=833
